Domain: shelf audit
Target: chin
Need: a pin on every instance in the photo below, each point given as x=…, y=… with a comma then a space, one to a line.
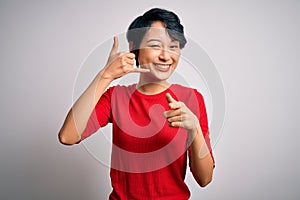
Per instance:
x=161, y=76
x=157, y=74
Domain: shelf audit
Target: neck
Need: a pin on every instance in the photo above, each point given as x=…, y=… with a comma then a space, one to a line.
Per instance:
x=152, y=88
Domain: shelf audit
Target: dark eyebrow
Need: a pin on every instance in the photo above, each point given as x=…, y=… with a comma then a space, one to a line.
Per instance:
x=153, y=40
x=158, y=40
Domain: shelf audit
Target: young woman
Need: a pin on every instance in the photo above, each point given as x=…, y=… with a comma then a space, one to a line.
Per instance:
x=155, y=123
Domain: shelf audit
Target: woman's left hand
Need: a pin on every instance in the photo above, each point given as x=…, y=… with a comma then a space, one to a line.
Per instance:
x=180, y=115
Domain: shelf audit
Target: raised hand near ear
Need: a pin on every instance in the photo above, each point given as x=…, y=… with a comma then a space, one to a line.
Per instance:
x=180, y=115
x=120, y=63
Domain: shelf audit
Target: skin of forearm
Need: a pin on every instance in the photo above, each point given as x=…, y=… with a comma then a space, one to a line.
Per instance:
x=82, y=109
x=201, y=160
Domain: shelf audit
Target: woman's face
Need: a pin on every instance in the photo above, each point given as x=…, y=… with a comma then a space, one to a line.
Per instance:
x=159, y=53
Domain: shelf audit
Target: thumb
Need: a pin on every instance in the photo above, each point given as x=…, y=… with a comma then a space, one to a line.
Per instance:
x=115, y=46
x=170, y=99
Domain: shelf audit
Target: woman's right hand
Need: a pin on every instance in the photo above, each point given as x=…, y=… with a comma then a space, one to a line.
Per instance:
x=119, y=63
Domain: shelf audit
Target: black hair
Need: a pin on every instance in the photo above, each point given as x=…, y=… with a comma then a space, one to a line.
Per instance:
x=139, y=27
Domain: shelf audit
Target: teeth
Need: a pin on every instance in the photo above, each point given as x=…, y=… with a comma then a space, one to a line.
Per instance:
x=163, y=66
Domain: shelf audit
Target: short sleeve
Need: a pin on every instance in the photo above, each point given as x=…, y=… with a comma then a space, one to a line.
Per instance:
x=100, y=116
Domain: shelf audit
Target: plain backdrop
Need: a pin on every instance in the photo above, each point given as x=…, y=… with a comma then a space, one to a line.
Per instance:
x=255, y=46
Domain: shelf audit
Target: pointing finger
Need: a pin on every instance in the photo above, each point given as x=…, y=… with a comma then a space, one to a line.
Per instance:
x=175, y=105
x=170, y=99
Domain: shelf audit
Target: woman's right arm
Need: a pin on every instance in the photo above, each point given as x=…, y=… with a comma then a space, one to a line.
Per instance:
x=75, y=123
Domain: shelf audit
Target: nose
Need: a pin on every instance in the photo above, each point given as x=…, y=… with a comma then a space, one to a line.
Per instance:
x=164, y=55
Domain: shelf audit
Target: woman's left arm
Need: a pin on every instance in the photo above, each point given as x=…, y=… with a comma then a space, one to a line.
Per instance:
x=201, y=162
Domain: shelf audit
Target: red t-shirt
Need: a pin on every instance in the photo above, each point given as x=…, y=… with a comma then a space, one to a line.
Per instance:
x=149, y=157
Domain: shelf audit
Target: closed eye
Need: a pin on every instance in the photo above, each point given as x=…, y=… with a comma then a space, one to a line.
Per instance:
x=155, y=46
x=174, y=47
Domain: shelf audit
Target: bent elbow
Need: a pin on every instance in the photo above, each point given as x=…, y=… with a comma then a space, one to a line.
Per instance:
x=204, y=183
x=67, y=140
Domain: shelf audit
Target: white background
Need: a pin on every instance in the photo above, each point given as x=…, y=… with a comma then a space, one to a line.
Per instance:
x=254, y=45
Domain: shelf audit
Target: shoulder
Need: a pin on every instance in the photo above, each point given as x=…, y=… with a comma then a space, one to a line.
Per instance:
x=118, y=91
x=183, y=92
x=192, y=98
x=121, y=88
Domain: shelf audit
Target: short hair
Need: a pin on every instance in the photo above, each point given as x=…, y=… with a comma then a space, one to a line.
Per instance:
x=139, y=27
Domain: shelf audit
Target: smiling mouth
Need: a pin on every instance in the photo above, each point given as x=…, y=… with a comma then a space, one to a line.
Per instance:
x=162, y=67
